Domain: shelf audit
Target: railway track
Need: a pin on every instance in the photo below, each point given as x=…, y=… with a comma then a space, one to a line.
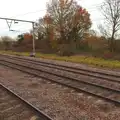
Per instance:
x=81, y=71
x=13, y=107
x=101, y=91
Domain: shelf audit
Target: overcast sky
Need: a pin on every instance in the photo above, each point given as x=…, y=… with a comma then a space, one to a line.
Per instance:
x=34, y=9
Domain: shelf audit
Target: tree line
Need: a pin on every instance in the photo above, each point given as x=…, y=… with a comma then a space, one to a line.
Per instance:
x=66, y=27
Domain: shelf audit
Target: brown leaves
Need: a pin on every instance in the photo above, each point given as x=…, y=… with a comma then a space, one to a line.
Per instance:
x=62, y=2
x=27, y=37
x=47, y=19
x=81, y=15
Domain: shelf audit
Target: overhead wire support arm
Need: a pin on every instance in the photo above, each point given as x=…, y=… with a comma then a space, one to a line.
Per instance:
x=9, y=25
x=16, y=20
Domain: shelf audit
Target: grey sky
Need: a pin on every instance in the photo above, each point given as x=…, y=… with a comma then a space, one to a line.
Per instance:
x=34, y=9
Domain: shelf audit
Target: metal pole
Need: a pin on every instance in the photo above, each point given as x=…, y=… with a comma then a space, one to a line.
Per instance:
x=33, y=39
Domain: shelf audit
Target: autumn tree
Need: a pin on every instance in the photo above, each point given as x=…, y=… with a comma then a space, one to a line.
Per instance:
x=70, y=20
x=65, y=22
x=111, y=11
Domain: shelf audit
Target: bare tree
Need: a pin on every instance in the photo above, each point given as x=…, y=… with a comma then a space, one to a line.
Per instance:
x=104, y=31
x=92, y=32
x=111, y=11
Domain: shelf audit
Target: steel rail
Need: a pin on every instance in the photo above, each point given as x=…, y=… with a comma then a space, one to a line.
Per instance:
x=65, y=84
x=73, y=79
x=40, y=114
x=72, y=69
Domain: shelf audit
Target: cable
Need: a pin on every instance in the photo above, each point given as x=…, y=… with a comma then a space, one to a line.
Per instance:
x=98, y=19
x=93, y=7
x=29, y=13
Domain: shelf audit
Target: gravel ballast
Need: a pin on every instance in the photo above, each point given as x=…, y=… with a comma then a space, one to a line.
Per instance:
x=61, y=103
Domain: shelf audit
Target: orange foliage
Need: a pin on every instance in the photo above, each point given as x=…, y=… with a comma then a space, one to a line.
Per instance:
x=95, y=41
x=27, y=36
x=51, y=35
x=47, y=19
x=81, y=14
x=62, y=2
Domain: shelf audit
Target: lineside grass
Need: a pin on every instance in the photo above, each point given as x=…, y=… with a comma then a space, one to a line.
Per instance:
x=98, y=62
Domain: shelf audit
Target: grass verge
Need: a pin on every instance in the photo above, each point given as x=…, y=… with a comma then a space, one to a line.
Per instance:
x=97, y=62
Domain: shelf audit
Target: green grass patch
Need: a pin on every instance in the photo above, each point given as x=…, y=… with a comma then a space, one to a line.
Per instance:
x=99, y=62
